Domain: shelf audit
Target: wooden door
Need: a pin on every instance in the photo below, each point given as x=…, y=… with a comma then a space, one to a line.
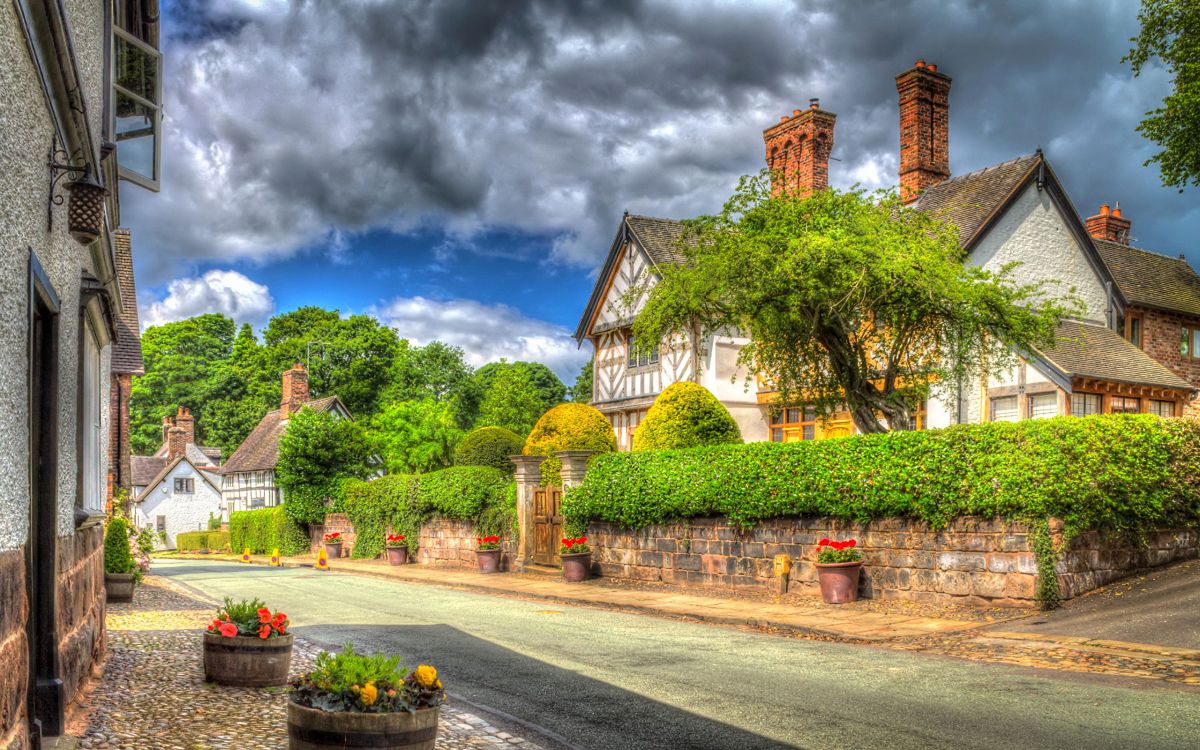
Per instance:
x=547, y=525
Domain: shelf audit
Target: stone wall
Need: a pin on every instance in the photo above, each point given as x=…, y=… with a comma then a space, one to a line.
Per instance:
x=81, y=606
x=451, y=543
x=973, y=561
x=14, y=649
x=338, y=522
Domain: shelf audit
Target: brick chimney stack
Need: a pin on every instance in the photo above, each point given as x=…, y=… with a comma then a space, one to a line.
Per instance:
x=1109, y=225
x=166, y=426
x=176, y=442
x=798, y=150
x=187, y=422
x=924, y=129
x=295, y=391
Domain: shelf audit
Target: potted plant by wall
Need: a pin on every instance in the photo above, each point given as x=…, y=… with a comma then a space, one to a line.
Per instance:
x=839, y=566
x=356, y=701
x=333, y=544
x=576, y=557
x=487, y=553
x=397, y=549
x=247, y=645
x=121, y=572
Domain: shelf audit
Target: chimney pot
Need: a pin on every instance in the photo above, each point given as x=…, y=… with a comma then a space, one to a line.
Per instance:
x=932, y=68
x=919, y=64
x=1109, y=225
x=1104, y=209
x=1117, y=212
x=795, y=113
x=814, y=103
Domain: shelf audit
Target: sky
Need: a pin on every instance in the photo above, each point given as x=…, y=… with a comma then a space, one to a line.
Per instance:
x=458, y=168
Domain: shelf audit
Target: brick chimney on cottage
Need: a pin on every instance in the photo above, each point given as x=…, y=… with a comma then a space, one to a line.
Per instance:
x=798, y=150
x=924, y=129
x=1109, y=225
x=185, y=421
x=295, y=391
x=166, y=427
x=176, y=442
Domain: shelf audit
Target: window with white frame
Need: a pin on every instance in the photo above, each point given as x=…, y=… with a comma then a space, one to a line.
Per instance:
x=91, y=466
x=1043, y=405
x=1005, y=409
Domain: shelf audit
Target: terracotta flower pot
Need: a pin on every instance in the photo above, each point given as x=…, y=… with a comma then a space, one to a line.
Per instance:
x=334, y=549
x=118, y=587
x=839, y=581
x=247, y=661
x=577, y=567
x=488, y=560
x=397, y=555
x=314, y=729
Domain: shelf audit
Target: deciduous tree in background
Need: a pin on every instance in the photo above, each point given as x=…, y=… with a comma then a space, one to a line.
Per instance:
x=581, y=391
x=414, y=437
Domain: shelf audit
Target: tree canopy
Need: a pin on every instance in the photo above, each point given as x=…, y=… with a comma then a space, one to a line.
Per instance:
x=581, y=391
x=414, y=437
x=851, y=300
x=1170, y=33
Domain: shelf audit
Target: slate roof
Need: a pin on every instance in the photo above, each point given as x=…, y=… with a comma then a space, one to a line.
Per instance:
x=127, y=349
x=145, y=468
x=260, y=450
x=658, y=237
x=1148, y=279
x=969, y=200
x=1091, y=351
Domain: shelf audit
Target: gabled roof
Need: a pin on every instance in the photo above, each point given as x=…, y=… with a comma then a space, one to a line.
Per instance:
x=199, y=455
x=260, y=450
x=165, y=472
x=970, y=200
x=1091, y=351
x=143, y=469
x=1148, y=279
x=127, y=349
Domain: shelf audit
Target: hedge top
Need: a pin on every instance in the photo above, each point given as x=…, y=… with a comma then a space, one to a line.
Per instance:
x=488, y=446
x=1116, y=472
x=685, y=415
x=568, y=427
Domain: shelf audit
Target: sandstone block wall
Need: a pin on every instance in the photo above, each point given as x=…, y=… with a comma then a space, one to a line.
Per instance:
x=334, y=522
x=81, y=606
x=14, y=649
x=451, y=543
x=1092, y=561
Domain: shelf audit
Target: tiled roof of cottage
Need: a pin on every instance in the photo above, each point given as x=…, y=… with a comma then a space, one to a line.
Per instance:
x=969, y=200
x=658, y=237
x=127, y=350
x=1091, y=351
x=167, y=468
x=1152, y=280
x=144, y=468
x=260, y=450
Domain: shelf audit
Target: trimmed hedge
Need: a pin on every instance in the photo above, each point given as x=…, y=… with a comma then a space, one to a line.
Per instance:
x=198, y=540
x=489, y=446
x=308, y=503
x=686, y=415
x=1110, y=473
x=568, y=427
x=117, y=557
x=404, y=502
x=265, y=529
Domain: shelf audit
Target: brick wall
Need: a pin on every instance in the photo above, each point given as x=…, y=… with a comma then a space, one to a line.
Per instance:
x=448, y=542
x=338, y=522
x=14, y=650
x=1161, y=338
x=973, y=561
x=118, y=440
x=81, y=606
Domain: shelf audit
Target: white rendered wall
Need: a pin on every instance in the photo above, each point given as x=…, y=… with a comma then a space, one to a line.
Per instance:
x=184, y=511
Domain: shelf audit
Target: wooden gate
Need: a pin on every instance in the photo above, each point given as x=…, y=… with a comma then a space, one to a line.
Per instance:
x=547, y=524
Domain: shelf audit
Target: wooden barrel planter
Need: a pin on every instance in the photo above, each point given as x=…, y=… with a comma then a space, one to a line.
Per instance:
x=247, y=661
x=118, y=587
x=314, y=729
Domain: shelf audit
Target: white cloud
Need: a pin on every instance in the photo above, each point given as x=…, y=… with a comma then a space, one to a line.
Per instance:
x=485, y=332
x=227, y=292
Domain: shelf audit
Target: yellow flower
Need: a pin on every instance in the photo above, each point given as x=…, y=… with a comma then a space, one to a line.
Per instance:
x=426, y=675
x=369, y=694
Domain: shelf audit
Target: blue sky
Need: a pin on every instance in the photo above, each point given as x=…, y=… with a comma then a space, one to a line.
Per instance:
x=458, y=168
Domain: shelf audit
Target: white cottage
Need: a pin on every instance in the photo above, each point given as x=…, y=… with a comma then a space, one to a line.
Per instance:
x=178, y=488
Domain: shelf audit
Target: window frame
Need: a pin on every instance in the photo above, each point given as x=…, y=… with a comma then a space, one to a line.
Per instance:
x=805, y=423
x=1016, y=402
x=91, y=487
x=1029, y=401
x=1112, y=404
x=154, y=181
x=636, y=360
x=185, y=485
x=1170, y=405
x=1134, y=320
x=1086, y=394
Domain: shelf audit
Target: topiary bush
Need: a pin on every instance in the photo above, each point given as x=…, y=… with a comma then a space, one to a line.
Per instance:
x=685, y=415
x=568, y=427
x=265, y=529
x=489, y=446
x=117, y=557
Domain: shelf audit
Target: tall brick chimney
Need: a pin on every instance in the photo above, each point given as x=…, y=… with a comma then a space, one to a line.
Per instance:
x=176, y=442
x=187, y=422
x=1109, y=225
x=924, y=129
x=295, y=391
x=798, y=150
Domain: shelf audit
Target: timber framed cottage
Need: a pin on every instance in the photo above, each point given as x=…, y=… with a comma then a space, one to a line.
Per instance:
x=81, y=114
x=1135, y=347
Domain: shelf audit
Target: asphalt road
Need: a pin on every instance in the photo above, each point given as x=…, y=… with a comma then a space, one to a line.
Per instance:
x=1161, y=607
x=610, y=680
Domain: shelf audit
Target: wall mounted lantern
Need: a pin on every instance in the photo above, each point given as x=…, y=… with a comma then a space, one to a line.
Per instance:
x=85, y=212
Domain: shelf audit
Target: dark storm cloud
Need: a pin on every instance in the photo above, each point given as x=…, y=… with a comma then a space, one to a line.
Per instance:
x=292, y=124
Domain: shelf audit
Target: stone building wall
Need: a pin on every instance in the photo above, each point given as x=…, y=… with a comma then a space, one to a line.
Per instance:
x=14, y=648
x=81, y=606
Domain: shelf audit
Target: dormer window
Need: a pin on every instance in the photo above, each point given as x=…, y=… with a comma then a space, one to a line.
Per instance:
x=641, y=356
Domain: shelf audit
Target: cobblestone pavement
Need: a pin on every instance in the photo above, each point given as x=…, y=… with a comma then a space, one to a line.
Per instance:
x=152, y=695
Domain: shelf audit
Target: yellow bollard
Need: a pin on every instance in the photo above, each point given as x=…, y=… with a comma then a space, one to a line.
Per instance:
x=275, y=558
x=322, y=559
x=246, y=555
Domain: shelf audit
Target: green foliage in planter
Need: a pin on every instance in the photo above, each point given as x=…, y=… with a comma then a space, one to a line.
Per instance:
x=568, y=427
x=1112, y=472
x=685, y=415
x=489, y=446
x=117, y=557
x=265, y=529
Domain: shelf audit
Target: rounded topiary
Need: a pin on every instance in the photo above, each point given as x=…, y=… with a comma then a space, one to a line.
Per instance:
x=117, y=558
x=568, y=427
x=685, y=415
x=488, y=446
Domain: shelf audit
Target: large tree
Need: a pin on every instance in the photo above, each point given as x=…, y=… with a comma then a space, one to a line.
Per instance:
x=848, y=298
x=1170, y=33
x=414, y=437
x=581, y=391
x=513, y=399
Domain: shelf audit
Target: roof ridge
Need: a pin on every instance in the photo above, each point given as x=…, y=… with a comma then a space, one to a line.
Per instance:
x=653, y=218
x=989, y=168
x=1145, y=250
